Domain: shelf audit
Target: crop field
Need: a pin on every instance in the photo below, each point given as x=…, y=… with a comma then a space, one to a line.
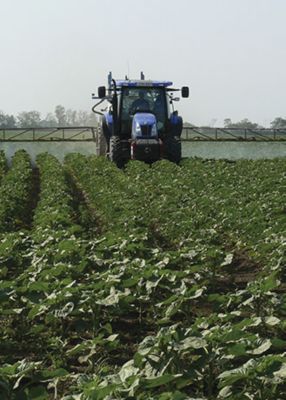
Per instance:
x=165, y=282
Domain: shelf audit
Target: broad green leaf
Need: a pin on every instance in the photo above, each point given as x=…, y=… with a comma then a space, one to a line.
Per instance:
x=128, y=370
x=262, y=348
x=281, y=373
x=160, y=381
x=193, y=342
x=37, y=393
x=272, y=321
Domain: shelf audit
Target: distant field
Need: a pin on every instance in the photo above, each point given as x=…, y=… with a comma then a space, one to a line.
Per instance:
x=163, y=282
x=234, y=150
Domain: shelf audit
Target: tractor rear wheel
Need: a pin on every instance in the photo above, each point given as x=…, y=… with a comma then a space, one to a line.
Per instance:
x=115, y=151
x=173, y=149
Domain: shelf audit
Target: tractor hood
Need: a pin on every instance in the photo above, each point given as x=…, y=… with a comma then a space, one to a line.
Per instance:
x=144, y=125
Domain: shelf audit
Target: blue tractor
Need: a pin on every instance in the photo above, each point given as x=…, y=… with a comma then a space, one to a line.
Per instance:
x=139, y=123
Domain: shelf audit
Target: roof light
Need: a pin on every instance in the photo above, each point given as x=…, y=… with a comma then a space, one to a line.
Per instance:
x=135, y=83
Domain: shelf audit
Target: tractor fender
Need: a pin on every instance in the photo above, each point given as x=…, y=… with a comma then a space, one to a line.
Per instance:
x=107, y=122
x=175, y=124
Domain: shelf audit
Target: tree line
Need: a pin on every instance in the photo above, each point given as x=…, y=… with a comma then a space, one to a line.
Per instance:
x=68, y=117
x=60, y=117
x=277, y=123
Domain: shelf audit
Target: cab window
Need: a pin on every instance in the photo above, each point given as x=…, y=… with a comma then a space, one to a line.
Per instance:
x=143, y=99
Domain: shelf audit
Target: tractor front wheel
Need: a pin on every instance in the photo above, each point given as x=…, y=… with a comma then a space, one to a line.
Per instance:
x=173, y=149
x=115, y=151
x=102, y=144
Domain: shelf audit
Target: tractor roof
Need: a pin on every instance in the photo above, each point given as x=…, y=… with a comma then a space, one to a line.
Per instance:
x=149, y=83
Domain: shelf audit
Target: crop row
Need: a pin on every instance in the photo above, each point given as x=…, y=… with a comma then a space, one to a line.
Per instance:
x=15, y=212
x=15, y=192
x=3, y=165
x=54, y=247
x=109, y=193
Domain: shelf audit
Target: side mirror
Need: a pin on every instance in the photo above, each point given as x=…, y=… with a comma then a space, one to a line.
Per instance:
x=185, y=91
x=101, y=92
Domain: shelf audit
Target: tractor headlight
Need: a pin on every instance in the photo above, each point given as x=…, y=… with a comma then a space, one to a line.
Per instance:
x=138, y=129
x=154, y=131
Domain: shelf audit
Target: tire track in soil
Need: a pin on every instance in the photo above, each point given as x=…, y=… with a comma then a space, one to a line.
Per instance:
x=85, y=214
x=131, y=329
x=35, y=196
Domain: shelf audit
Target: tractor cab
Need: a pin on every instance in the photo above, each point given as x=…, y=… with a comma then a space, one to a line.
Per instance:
x=138, y=123
x=143, y=100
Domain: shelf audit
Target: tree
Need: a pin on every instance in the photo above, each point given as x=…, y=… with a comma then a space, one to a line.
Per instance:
x=83, y=118
x=29, y=119
x=60, y=118
x=60, y=113
x=92, y=120
x=243, y=124
x=71, y=118
x=278, y=123
x=227, y=123
x=49, y=122
x=7, y=121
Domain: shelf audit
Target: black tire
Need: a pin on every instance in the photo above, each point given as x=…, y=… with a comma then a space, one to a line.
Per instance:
x=115, y=151
x=173, y=149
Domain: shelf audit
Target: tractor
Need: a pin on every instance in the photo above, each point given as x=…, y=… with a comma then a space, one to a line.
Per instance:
x=140, y=122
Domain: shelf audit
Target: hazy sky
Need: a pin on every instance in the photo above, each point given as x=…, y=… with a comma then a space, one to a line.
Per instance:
x=232, y=53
